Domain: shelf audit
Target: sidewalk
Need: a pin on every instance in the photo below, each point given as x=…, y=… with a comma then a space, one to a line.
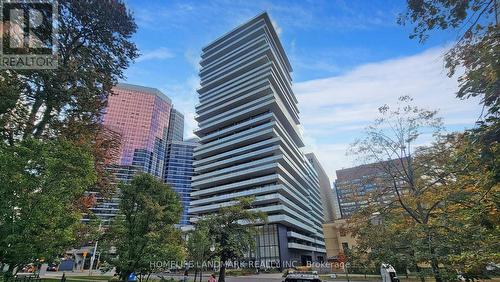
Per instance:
x=78, y=275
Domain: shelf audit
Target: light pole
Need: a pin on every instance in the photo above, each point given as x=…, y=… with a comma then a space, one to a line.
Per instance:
x=347, y=264
x=92, y=259
x=212, y=250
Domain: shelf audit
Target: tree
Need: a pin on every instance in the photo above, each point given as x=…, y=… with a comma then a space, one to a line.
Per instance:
x=198, y=245
x=476, y=50
x=145, y=232
x=232, y=231
x=471, y=217
x=389, y=142
x=464, y=224
x=439, y=199
x=387, y=238
x=94, y=47
x=41, y=183
x=49, y=126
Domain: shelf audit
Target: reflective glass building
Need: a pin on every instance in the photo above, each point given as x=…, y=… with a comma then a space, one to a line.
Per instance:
x=140, y=117
x=179, y=171
x=176, y=126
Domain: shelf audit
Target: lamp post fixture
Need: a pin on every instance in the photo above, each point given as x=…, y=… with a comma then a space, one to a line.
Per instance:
x=212, y=250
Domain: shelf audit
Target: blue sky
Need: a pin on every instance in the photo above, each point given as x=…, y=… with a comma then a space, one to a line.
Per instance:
x=349, y=57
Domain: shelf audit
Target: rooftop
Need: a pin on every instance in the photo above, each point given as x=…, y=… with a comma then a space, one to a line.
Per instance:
x=144, y=89
x=262, y=16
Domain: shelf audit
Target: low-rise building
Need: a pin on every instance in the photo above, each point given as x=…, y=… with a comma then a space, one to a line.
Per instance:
x=337, y=239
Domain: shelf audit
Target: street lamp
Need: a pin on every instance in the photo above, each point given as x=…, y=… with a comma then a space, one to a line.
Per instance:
x=92, y=259
x=212, y=250
x=347, y=265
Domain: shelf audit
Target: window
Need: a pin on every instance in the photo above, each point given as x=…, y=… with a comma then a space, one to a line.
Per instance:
x=267, y=244
x=345, y=246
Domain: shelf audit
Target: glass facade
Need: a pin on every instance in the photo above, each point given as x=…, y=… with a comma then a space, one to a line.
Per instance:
x=140, y=117
x=176, y=126
x=355, y=186
x=179, y=171
x=267, y=247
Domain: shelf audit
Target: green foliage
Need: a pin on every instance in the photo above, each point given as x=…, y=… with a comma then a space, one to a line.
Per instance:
x=476, y=50
x=468, y=216
x=94, y=48
x=232, y=231
x=431, y=14
x=198, y=246
x=439, y=203
x=145, y=232
x=52, y=147
x=41, y=182
x=472, y=214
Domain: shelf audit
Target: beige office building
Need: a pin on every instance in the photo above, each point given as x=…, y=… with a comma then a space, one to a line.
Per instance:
x=337, y=238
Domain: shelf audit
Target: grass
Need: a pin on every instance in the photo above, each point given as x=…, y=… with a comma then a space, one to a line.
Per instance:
x=79, y=278
x=373, y=277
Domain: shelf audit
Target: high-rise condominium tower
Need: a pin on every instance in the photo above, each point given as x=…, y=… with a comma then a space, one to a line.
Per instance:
x=249, y=143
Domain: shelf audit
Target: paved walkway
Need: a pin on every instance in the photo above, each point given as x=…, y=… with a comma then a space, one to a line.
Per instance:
x=260, y=277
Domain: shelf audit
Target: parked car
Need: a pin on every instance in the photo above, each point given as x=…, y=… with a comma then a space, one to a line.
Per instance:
x=30, y=268
x=52, y=267
x=302, y=276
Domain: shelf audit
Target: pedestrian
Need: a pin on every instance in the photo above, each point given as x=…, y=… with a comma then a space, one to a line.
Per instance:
x=212, y=278
x=185, y=276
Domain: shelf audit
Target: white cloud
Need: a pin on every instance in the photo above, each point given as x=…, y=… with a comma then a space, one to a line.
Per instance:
x=193, y=59
x=278, y=29
x=335, y=110
x=156, y=54
x=184, y=98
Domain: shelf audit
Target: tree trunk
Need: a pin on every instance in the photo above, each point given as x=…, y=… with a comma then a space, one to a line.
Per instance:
x=222, y=272
x=9, y=273
x=419, y=274
x=434, y=261
x=124, y=276
x=30, y=123
x=435, y=270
